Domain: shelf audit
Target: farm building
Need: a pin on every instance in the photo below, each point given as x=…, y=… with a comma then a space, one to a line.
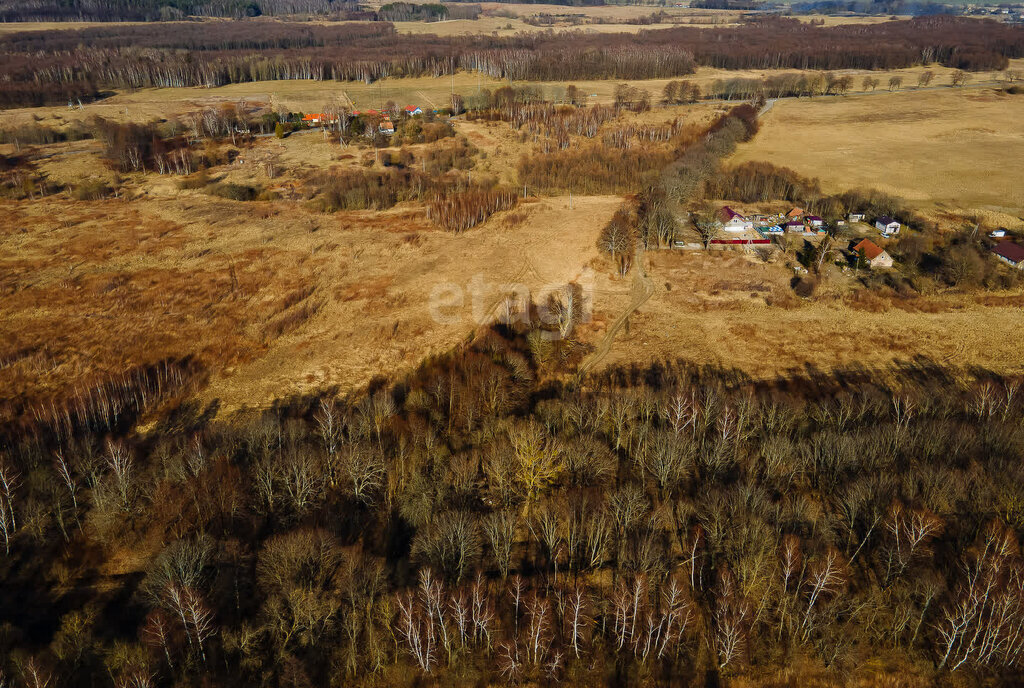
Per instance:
x=887, y=225
x=874, y=255
x=733, y=221
x=1010, y=253
x=855, y=217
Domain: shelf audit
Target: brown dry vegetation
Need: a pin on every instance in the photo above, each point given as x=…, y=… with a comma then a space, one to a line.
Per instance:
x=729, y=309
x=947, y=148
x=276, y=298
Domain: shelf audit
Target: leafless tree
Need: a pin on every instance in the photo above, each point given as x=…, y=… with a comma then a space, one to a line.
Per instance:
x=960, y=78
x=10, y=479
x=330, y=427
x=365, y=471
x=500, y=529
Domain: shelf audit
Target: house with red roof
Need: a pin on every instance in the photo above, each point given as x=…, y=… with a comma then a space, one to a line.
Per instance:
x=316, y=119
x=874, y=255
x=413, y=110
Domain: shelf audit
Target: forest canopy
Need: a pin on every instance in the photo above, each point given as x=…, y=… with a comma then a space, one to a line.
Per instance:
x=478, y=522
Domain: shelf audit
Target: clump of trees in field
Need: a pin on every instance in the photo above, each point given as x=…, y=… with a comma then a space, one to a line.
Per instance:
x=460, y=211
x=478, y=521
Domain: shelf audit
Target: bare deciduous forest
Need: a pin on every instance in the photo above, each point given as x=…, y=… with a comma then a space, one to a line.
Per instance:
x=51, y=67
x=472, y=524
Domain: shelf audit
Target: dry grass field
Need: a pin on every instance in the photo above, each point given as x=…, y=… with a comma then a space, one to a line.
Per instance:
x=278, y=299
x=275, y=299
x=729, y=309
x=949, y=148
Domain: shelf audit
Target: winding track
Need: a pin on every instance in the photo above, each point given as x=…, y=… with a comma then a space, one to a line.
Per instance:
x=641, y=290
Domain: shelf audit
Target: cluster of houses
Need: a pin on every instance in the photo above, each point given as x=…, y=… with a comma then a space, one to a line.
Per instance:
x=796, y=221
x=386, y=125
x=736, y=228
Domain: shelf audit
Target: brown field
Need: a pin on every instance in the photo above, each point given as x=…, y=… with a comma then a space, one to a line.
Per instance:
x=729, y=309
x=950, y=148
x=274, y=298
x=278, y=299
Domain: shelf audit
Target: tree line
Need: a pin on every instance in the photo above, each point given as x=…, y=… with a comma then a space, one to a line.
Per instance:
x=51, y=67
x=173, y=10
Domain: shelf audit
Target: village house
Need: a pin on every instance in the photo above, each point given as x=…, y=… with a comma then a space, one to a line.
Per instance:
x=815, y=221
x=413, y=110
x=387, y=127
x=887, y=226
x=874, y=255
x=855, y=217
x=733, y=221
x=1010, y=253
x=317, y=119
x=795, y=213
x=794, y=226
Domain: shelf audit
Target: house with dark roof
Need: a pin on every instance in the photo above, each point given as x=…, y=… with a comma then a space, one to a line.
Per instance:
x=874, y=255
x=733, y=221
x=1010, y=253
x=887, y=226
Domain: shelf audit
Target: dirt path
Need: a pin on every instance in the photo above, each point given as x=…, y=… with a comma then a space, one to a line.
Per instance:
x=641, y=290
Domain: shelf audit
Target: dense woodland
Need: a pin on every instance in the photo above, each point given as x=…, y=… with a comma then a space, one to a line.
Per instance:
x=480, y=522
x=53, y=67
x=172, y=10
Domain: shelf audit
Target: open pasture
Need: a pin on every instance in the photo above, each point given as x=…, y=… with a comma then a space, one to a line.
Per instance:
x=948, y=148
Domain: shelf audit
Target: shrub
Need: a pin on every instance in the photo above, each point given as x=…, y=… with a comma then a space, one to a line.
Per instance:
x=198, y=180
x=92, y=190
x=234, y=192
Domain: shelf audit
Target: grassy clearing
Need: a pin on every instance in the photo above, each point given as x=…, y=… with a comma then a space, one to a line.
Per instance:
x=946, y=148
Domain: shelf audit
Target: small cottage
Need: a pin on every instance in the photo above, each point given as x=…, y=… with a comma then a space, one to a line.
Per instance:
x=887, y=226
x=874, y=255
x=733, y=221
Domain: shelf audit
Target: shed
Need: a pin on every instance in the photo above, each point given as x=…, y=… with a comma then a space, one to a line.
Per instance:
x=886, y=225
